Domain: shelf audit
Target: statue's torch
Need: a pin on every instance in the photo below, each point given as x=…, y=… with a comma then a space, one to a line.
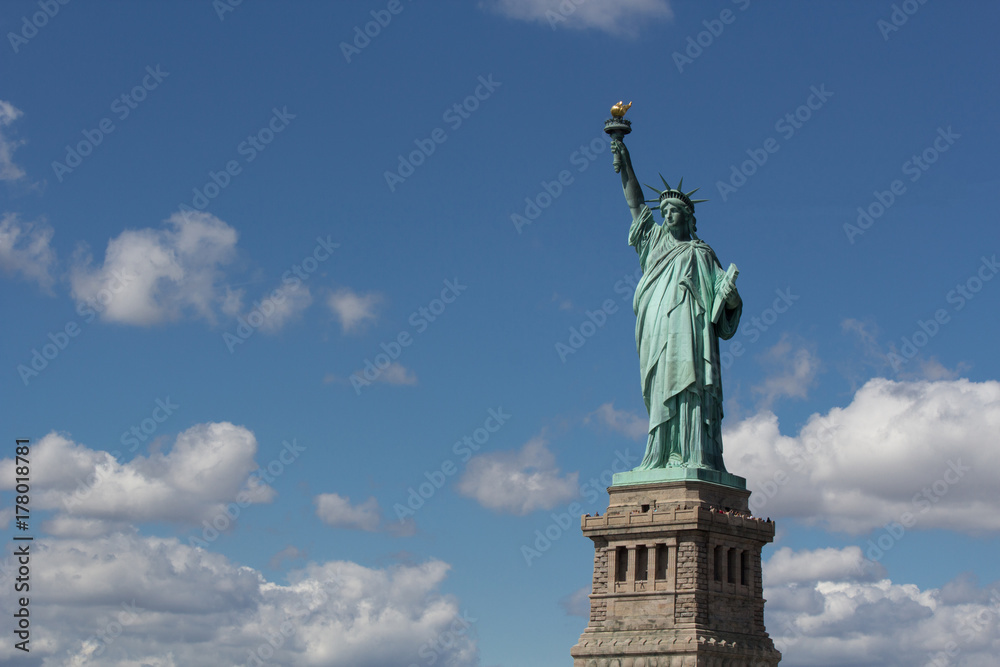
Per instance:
x=617, y=127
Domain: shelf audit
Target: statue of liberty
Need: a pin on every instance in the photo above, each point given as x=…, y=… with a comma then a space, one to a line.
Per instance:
x=683, y=304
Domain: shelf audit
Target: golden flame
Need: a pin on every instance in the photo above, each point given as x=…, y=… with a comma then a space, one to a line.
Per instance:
x=619, y=109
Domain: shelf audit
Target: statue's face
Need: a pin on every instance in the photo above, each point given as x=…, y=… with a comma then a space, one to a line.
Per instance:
x=674, y=216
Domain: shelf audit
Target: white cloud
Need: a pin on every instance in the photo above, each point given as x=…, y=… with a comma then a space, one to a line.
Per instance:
x=826, y=617
x=293, y=302
x=273, y=309
x=8, y=170
x=396, y=373
x=71, y=526
x=786, y=566
x=622, y=421
x=337, y=511
x=932, y=369
x=354, y=310
x=518, y=482
x=291, y=552
x=617, y=18
x=793, y=371
x=207, y=468
x=186, y=606
x=906, y=452
x=25, y=249
x=577, y=603
x=151, y=276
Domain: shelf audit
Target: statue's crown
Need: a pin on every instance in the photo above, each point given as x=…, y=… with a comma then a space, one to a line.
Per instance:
x=674, y=193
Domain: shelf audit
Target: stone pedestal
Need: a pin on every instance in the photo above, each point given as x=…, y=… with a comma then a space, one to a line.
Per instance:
x=677, y=579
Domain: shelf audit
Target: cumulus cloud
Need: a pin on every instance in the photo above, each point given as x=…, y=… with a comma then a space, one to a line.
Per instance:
x=8, y=170
x=786, y=566
x=25, y=250
x=151, y=276
x=820, y=613
x=518, y=482
x=906, y=452
x=169, y=604
x=273, y=310
x=337, y=511
x=619, y=18
x=354, y=310
x=627, y=423
x=207, y=468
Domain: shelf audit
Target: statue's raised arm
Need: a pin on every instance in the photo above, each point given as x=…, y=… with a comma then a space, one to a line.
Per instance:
x=630, y=184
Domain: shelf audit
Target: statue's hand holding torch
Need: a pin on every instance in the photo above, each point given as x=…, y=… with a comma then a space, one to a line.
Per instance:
x=617, y=127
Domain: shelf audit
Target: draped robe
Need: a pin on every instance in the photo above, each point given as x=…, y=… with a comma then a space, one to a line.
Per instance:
x=678, y=346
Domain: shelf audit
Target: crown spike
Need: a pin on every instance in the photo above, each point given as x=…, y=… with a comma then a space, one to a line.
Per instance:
x=659, y=192
x=697, y=201
x=680, y=184
x=692, y=192
x=665, y=184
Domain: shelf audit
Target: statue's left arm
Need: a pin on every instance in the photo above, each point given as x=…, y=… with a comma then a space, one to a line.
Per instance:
x=732, y=304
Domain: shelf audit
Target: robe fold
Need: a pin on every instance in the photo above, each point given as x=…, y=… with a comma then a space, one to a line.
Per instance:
x=678, y=346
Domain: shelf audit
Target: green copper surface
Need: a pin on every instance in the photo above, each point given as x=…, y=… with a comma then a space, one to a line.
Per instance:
x=684, y=303
x=637, y=476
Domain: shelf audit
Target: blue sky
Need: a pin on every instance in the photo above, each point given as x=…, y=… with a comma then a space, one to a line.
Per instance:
x=216, y=216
